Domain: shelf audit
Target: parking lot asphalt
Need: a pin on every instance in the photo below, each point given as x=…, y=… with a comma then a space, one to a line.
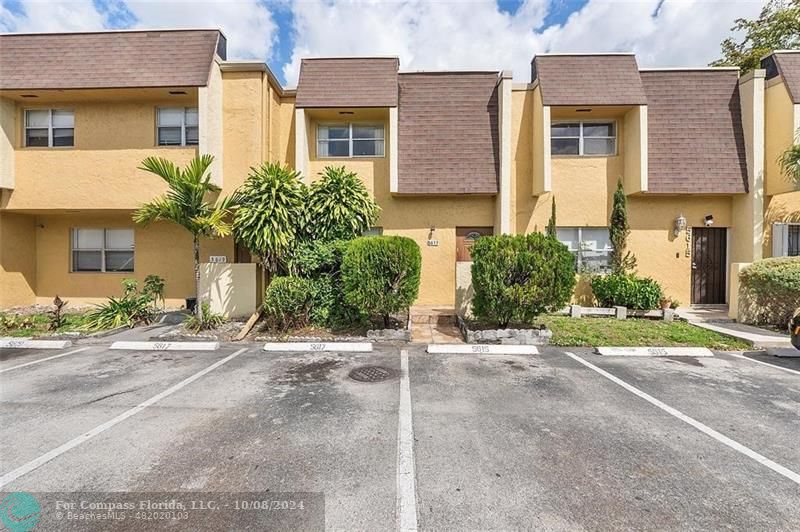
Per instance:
x=499, y=442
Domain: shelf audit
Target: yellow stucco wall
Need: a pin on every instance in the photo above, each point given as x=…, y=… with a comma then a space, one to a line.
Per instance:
x=100, y=171
x=780, y=208
x=162, y=249
x=779, y=134
x=17, y=259
x=244, y=120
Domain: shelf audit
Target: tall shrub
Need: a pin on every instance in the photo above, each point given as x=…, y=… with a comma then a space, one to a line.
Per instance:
x=271, y=211
x=516, y=278
x=622, y=260
x=769, y=291
x=380, y=274
x=339, y=206
x=626, y=290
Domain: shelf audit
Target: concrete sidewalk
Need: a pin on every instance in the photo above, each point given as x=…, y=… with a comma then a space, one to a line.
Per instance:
x=715, y=318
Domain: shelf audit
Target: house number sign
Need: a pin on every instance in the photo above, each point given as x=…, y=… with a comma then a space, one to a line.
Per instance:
x=688, y=241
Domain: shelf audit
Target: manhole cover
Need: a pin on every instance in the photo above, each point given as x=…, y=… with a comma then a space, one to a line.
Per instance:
x=372, y=374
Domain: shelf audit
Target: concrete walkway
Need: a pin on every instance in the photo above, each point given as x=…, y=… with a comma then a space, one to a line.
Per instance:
x=715, y=318
x=434, y=325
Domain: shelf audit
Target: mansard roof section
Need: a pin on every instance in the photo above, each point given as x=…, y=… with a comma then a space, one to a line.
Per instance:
x=448, y=136
x=588, y=79
x=108, y=59
x=348, y=82
x=786, y=64
x=695, y=136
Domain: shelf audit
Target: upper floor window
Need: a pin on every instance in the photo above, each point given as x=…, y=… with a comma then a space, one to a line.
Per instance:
x=102, y=250
x=350, y=140
x=177, y=126
x=590, y=245
x=49, y=128
x=583, y=138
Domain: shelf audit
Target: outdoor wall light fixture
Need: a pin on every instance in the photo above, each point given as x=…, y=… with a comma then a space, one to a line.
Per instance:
x=709, y=220
x=680, y=225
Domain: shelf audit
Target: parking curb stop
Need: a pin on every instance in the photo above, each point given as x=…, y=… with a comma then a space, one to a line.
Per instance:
x=319, y=347
x=166, y=346
x=26, y=343
x=482, y=349
x=655, y=351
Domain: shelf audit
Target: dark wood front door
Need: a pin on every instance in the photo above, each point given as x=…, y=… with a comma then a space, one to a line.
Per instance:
x=709, y=251
x=465, y=237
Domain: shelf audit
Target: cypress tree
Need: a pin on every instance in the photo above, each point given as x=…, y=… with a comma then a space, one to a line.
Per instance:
x=551, y=224
x=622, y=261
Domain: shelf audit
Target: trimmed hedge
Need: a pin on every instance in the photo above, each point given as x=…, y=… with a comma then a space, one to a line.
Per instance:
x=769, y=291
x=516, y=278
x=380, y=274
x=626, y=290
x=287, y=303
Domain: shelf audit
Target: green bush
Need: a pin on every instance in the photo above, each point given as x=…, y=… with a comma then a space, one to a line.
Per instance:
x=627, y=290
x=208, y=320
x=769, y=291
x=380, y=274
x=516, y=278
x=339, y=206
x=287, y=303
x=133, y=308
x=314, y=258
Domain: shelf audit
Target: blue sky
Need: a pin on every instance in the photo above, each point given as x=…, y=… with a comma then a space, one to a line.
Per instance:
x=425, y=34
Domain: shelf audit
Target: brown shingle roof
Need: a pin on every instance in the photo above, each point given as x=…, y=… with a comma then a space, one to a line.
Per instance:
x=588, y=79
x=123, y=59
x=789, y=68
x=348, y=82
x=695, y=136
x=448, y=133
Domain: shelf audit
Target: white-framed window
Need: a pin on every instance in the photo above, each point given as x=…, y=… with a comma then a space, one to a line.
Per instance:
x=786, y=239
x=373, y=231
x=589, y=138
x=350, y=140
x=102, y=250
x=177, y=126
x=590, y=245
x=49, y=128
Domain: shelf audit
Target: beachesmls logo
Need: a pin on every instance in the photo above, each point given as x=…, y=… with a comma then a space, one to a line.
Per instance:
x=19, y=511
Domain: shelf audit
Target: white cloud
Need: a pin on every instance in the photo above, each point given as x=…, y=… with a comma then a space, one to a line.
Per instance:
x=248, y=24
x=477, y=35
x=52, y=15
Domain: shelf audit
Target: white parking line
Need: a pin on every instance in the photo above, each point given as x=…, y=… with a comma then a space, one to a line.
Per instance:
x=763, y=460
x=45, y=359
x=24, y=469
x=764, y=363
x=406, y=480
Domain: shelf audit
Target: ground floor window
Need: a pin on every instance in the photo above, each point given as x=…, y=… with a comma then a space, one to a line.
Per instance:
x=591, y=247
x=102, y=250
x=794, y=240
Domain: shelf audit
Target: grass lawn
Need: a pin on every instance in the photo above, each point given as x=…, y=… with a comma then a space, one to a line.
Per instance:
x=594, y=332
x=38, y=324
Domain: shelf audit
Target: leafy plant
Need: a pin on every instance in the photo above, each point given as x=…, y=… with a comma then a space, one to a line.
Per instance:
x=622, y=260
x=208, y=320
x=769, y=291
x=516, y=278
x=270, y=213
x=627, y=290
x=57, y=314
x=154, y=287
x=339, y=206
x=551, y=224
x=187, y=203
x=381, y=275
x=789, y=162
x=132, y=308
x=12, y=322
x=287, y=303
x=776, y=28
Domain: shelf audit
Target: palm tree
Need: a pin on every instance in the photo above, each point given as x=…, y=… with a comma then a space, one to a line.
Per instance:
x=790, y=162
x=187, y=204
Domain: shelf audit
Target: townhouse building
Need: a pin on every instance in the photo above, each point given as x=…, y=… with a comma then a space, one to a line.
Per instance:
x=449, y=156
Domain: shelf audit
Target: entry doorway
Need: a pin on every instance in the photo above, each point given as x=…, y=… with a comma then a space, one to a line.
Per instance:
x=466, y=237
x=709, y=265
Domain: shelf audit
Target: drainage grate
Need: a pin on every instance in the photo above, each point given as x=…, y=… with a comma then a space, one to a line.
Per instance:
x=372, y=374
